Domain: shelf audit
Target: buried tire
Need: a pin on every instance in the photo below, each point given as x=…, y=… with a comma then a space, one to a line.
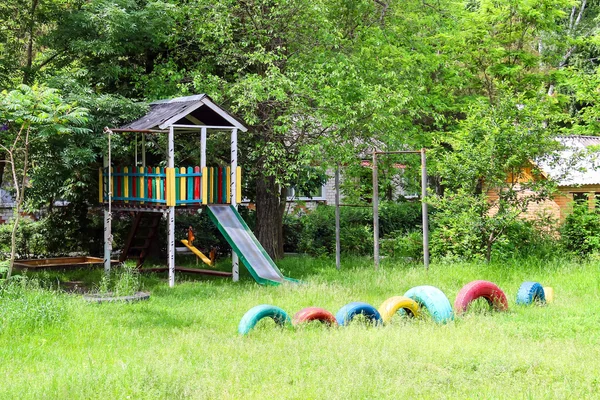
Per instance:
x=255, y=314
x=390, y=307
x=309, y=314
x=434, y=300
x=530, y=292
x=480, y=289
x=347, y=313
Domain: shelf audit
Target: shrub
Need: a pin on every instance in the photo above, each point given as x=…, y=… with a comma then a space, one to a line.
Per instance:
x=580, y=232
x=404, y=245
x=316, y=231
x=527, y=238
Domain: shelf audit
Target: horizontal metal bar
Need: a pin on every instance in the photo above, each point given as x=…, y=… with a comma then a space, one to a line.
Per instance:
x=195, y=174
x=399, y=152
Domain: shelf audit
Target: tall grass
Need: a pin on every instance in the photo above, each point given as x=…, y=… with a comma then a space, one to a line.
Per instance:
x=183, y=343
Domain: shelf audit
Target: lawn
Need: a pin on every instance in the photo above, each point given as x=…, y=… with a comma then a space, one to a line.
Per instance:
x=183, y=342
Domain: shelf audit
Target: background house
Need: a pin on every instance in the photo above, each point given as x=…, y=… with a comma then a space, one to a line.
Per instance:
x=576, y=170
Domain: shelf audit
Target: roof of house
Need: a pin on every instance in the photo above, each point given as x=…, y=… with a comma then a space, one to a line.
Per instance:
x=189, y=110
x=577, y=164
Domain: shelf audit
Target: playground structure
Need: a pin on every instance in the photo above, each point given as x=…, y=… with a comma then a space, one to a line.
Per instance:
x=411, y=304
x=153, y=192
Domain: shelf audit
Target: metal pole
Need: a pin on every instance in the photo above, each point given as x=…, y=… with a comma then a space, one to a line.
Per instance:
x=375, y=213
x=108, y=211
x=203, y=149
x=136, y=150
x=144, y=151
x=337, y=219
x=424, y=210
x=171, y=213
x=235, y=268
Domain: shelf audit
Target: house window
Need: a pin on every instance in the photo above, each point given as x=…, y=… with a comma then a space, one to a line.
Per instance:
x=317, y=194
x=580, y=197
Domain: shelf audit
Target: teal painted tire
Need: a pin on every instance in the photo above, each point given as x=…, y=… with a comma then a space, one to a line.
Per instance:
x=434, y=300
x=530, y=292
x=347, y=313
x=255, y=314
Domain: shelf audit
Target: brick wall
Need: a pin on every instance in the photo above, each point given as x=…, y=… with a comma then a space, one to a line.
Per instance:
x=6, y=214
x=560, y=205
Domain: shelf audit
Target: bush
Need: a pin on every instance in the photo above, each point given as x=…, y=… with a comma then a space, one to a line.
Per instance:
x=580, y=232
x=30, y=238
x=527, y=238
x=404, y=245
x=315, y=232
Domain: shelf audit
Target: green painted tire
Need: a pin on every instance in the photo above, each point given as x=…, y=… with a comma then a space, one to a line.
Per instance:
x=255, y=314
x=434, y=300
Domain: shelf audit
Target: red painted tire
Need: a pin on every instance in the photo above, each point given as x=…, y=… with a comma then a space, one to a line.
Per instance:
x=477, y=289
x=314, y=314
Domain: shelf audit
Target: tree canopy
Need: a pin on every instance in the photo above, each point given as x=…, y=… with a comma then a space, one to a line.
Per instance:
x=318, y=82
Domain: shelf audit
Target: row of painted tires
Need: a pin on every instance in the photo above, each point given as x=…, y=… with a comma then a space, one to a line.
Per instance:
x=428, y=297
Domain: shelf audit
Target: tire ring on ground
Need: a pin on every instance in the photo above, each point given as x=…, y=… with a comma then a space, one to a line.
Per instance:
x=434, y=300
x=255, y=314
x=314, y=314
x=530, y=292
x=107, y=298
x=390, y=307
x=347, y=313
x=480, y=289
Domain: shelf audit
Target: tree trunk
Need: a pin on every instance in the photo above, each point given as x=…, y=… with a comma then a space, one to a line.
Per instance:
x=269, y=216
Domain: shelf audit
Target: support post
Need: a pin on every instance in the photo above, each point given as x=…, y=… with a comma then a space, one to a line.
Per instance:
x=424, y=209
x=235, y=270
x=203, y=149
x=136, y=151
x=144, y=151
x=375, y=212
x=171, y=213
x=337, y=218
x=108, y=238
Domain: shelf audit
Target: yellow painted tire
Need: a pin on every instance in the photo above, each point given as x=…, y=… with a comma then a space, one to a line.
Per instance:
x=388, y=308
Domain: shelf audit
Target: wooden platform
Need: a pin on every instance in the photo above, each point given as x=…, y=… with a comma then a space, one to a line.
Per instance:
x=60, y=262
x=211, y=272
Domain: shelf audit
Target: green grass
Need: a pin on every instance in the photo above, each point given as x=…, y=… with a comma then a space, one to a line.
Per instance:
x=183, y=342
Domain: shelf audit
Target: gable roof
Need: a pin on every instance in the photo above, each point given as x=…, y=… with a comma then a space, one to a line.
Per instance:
x=189, y=110
x=575, y=165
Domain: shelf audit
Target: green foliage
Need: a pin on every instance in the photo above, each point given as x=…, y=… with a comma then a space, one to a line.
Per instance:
x=31, y=240
x=402, y=245
x=580, y=232
x=490, y=172
x=459, y=226
x=315, y=231
x=464, y=230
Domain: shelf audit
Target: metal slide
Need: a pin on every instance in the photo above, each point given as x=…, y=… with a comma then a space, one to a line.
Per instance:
x=246, y=246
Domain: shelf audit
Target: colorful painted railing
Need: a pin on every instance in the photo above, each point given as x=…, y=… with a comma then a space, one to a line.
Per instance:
x=169, y=186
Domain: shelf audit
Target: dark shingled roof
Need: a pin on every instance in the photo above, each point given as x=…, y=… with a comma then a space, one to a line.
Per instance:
x=190, y=110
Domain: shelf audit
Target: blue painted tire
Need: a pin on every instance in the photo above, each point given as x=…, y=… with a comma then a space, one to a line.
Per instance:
x=434, y=300
x=255, y=314
x=530, y=292
x=347, y=313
